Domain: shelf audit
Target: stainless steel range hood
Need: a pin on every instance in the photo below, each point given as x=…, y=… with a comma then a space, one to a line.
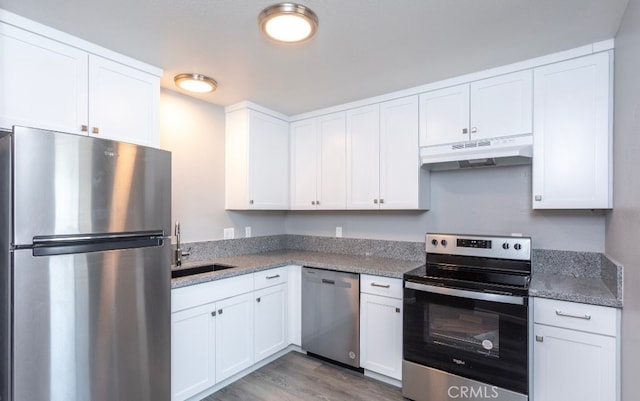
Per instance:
x=479, y=153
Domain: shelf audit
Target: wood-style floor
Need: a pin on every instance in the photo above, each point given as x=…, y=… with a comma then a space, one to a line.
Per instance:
x=296, y=377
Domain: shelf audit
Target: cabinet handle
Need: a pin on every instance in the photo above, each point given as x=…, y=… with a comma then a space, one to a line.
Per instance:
x=465, y=131
x=257, y=299
x=539, y=339
x=538, y=198
x=474, y=130
x=274, y=276
x=251, y=202
x=381, y=285
x=397, y=310
x=381, y=201
x=95, y=130
x=219, y=311
x=375, y=201
x=561, y=313
x=317, y=202
x=213, y=313
x=313, y=202
x=84, y=128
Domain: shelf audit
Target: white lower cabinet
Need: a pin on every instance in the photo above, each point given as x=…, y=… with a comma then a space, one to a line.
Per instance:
x=575, y=352
x=193, y=356
x=381, y=325
x=270, y=317
x=234, y=335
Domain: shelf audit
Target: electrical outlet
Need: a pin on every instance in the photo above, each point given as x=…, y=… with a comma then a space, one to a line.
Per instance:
x=247, y=232
x=338, y=232
x=229, y=233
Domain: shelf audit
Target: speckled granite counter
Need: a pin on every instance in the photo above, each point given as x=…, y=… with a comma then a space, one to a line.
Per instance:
x=586, y=277
x=262, y=261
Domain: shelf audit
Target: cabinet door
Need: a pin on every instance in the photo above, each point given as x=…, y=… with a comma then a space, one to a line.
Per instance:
x=193, y=334
x=234, y=335
x=304, y=164
x=381, y=335
x=502, y=106
x=572, y=136
x=399, y=154
x=332, y=185
x=363, y=158
x=43, y=82
x=124, y=103
x=268, y=162
x=573, y=365
x=444, y=116
x=271, y=330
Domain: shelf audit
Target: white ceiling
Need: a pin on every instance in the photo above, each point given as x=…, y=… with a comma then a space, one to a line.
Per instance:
x=362, y=48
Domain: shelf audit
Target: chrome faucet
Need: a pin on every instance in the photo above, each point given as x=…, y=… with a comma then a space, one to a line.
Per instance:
x=178, y=252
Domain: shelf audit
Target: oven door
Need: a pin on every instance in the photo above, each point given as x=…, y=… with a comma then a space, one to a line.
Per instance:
x=477, y=335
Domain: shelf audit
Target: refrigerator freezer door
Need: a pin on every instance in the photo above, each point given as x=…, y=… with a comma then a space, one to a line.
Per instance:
x=72, y=184
x=93, y=326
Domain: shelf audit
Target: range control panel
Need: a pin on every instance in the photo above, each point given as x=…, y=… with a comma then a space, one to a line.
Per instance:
x=483, y=246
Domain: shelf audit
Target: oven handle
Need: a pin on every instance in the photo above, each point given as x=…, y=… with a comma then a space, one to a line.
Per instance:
x=481, y=296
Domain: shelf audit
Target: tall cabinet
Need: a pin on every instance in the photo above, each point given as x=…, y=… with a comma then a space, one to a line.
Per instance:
x=572, y=139
x=54, y=81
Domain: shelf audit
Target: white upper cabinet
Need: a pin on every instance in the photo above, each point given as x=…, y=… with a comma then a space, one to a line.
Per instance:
x=318, y=179
x=44, y=82
x=490, y=108
x=47, y=83
x=383, y=165
x=124, y=102
x=572, y=163
x=256, y=160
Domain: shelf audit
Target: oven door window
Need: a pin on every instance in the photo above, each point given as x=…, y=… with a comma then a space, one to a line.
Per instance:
x=481, y=340
x=475, y=331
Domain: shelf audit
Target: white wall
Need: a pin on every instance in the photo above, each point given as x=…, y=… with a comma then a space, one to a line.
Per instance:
x=193, y=131
x=623, y=223
x=477, y=201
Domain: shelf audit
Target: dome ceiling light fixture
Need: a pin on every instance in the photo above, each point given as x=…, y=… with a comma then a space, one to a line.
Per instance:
x=288, y=22
x=197, y=83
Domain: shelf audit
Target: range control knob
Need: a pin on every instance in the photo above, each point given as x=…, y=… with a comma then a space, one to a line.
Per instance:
x=517, y=247
x=434, y=242
x=505, y=245
x=443, y=242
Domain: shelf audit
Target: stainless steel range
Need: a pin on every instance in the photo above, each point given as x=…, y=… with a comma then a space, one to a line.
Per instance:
x=465, y=322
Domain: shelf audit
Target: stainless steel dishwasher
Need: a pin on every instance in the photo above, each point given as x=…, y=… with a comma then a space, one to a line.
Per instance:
x=331, y=315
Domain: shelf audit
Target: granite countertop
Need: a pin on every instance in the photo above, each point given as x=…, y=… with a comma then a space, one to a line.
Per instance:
x=589, y=290
x=377, y=266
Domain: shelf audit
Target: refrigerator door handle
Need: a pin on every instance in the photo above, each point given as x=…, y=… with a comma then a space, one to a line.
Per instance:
x=49, y=240
x=64, y=248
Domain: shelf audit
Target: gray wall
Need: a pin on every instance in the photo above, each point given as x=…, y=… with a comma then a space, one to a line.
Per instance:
x=484, y=201
x=623, y=223
x=193, y=131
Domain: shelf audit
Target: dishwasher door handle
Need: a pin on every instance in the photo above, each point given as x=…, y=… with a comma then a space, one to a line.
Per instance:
x=325, y=281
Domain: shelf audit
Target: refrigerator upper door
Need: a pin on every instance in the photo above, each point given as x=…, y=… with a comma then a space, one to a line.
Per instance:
x=94, y=326
x=72, y=184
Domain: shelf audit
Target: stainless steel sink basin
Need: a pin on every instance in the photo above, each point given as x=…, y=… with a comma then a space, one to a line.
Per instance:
x=190, y=271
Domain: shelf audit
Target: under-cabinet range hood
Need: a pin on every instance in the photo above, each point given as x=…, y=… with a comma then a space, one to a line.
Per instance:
x=479, y=153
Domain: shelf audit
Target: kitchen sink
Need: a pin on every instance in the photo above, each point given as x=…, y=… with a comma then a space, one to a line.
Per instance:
x=189, y=271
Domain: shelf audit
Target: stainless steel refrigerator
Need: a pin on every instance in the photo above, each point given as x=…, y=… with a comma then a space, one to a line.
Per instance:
x=85, y=269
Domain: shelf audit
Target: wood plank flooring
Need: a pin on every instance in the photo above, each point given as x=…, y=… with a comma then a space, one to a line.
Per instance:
x=296, y=377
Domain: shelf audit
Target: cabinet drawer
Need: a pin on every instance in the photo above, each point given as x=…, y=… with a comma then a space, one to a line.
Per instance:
x=378, y=285
x=576, y=316
x=267, y=278
x=200, y=294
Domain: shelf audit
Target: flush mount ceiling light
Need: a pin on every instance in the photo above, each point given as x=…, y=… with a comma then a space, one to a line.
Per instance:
x=288, y=22
x=195, y=83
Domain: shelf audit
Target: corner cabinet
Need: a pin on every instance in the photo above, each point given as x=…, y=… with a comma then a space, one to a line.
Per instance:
x=47, y=83
x=572, y=139
x=256, y=160
x=381, y=325
x=383, y=165
x=575, y=352
x=318, y=165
